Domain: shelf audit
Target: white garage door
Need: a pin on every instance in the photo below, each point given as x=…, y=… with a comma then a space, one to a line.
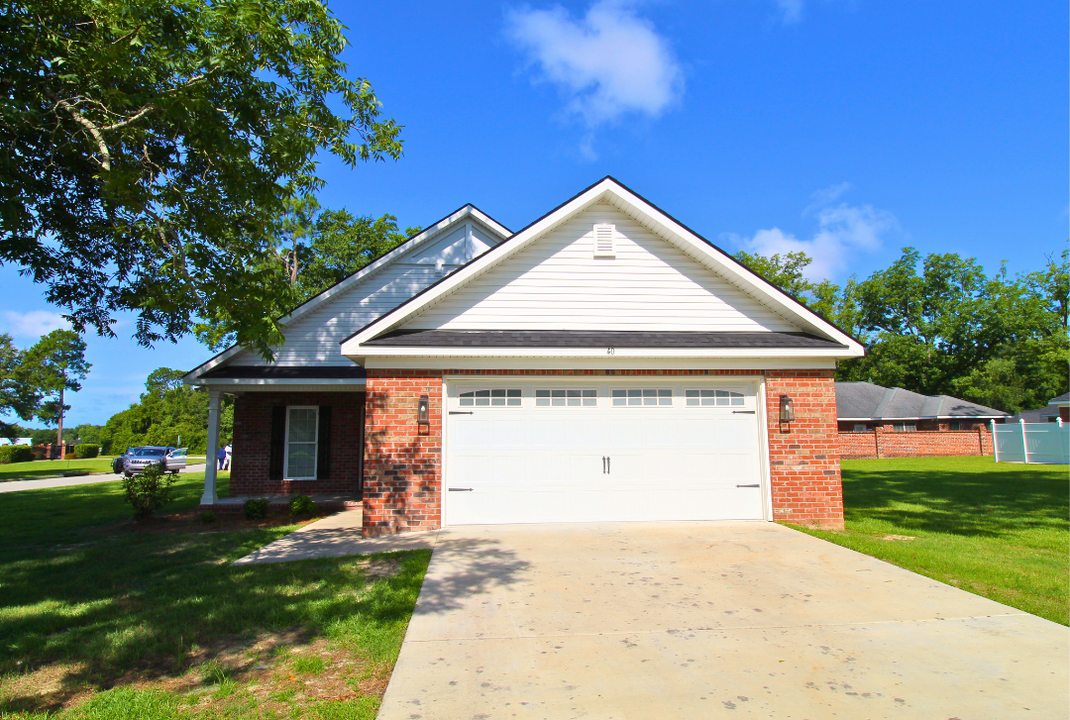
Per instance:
x=536, y=451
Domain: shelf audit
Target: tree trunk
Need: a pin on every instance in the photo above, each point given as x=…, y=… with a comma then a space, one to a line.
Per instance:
x=59, y=432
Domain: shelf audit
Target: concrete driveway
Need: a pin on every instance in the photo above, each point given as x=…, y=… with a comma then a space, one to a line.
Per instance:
x=708, y=620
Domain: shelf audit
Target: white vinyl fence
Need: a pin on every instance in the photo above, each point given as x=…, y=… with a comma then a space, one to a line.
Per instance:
x=1021, y=442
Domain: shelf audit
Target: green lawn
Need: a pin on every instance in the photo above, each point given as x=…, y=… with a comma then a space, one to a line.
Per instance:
x=51, y=468
x=998, y=530
x=101, y=620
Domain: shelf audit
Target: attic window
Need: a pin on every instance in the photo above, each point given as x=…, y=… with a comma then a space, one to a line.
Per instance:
x=603, y=240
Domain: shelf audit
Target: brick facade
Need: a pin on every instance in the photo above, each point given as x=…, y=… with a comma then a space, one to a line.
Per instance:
x=252, y=444
x=403, y=461
x=804, y=455
x=885, y=442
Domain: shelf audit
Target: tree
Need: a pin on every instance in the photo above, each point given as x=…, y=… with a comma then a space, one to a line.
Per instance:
x=18, y=394
x=146, y=148
x=57, y=363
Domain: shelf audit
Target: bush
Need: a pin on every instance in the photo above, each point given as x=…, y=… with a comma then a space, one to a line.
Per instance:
x=255, y=508
x=207, y=517
x=86, y=450
x=15, y=454
x=148, y=491
x=302, y=505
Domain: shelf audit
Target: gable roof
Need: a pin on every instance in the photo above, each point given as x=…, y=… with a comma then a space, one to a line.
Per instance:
x=866, y=401
x=424, y=238
x=609, y=190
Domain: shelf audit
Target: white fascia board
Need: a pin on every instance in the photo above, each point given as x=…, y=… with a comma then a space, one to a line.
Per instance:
x=598, y=363
x=922, y=417
x=268, y=383
x=416, y=242
x=653, y=352
x=642, y=211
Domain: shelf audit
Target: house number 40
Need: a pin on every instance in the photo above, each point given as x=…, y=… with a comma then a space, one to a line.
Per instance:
x=611, y=351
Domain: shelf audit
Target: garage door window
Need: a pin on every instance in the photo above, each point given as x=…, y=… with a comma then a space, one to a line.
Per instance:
x=497, y=397
x=642, y=397
x=555, y=397
x=713, y=398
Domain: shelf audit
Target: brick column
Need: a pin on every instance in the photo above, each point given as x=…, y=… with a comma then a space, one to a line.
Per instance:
x=402, y=459
x=804, y=456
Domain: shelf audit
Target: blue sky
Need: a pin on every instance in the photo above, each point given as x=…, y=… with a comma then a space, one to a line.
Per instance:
x=846, y=128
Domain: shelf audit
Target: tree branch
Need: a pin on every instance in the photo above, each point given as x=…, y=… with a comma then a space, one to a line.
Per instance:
x=92, y=129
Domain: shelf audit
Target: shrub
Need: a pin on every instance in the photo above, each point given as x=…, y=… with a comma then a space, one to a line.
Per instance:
x=86, y=450
x=302, y=505
x=148, y=491
x=15, y=454
x=255, y=508
x=207, y=517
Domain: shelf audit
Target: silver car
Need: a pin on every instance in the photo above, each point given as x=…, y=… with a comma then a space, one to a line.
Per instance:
x=172, y=459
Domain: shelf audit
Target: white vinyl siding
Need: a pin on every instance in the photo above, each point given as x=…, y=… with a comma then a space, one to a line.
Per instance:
x=557, y=284
x=302, y=434
x=313, y=339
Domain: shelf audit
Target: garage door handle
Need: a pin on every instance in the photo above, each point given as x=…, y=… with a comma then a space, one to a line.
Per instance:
x=754, y=485
x=742, y=412
x=467, y=489
x=460, y=412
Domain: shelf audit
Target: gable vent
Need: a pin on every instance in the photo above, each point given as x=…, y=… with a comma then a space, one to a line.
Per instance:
x=603, y=240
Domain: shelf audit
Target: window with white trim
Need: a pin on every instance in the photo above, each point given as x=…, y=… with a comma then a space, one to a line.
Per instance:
x=642, y=397
x=905, y=427
x=706, y=397
x=302, y=434
x=495, y=397
x=562, y=397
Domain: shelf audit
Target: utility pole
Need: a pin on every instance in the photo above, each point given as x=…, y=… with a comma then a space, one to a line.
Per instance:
x=59, y=432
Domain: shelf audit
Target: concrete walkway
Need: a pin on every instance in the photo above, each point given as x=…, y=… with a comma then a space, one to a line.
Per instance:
x=57, y=482
x=704, y=620
x=336, y=536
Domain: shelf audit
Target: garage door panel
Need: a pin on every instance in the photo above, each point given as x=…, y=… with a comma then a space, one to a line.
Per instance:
x=604, y=462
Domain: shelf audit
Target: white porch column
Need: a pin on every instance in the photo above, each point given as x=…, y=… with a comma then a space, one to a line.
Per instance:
x=210, y=497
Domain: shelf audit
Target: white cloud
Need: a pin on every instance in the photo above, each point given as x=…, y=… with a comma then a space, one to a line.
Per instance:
x=32, y=324
x=609, y=63
x=843, y=232
x=790, y=10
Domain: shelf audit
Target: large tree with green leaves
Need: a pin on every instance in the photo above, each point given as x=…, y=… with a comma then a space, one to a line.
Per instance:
x=19, y=394
x=148, y=146
x=56, y=364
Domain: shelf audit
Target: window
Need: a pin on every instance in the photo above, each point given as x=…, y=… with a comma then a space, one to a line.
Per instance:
x=905, y=426
x=707, y=398
x=302, y=432
x=860, y=427
x=566, y=398
x=498, y=397
x=635, y=397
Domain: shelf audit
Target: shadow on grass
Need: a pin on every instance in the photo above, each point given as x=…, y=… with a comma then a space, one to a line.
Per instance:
x=140, y=607
x=958, y=496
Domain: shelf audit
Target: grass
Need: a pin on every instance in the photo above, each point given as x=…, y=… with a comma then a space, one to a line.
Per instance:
x=997, y=530
x=100, y=619
x=52, y=468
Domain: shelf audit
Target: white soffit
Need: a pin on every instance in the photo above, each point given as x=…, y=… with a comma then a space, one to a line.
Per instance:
x=612, y=192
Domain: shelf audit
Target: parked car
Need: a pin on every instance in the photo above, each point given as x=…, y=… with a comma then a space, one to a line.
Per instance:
x=117, y=463
x=171, y=459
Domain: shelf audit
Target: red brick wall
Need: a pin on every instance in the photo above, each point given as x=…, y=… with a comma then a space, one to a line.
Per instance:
x=804, y=455
x=402, y=460
x=403, y=465
x=252, y=444
x=884, y=442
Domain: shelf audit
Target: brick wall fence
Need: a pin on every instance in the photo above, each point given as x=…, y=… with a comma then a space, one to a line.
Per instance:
x=403, y=460
x=252, y=444
x=885, y=442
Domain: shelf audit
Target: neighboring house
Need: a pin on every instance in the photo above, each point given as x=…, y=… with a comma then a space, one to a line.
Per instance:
x=1058, y=407
x=604, y=363
x=16, y=441
x=865, y=406
x=879, y=422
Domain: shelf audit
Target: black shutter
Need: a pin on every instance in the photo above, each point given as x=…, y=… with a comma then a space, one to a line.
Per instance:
x=323, y=445
x=278, y=442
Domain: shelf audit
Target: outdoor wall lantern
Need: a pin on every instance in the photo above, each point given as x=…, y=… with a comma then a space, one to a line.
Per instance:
x=787, y=409
x=423, y=411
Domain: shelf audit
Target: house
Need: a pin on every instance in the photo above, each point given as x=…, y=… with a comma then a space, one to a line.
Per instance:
x=604, y=363
x=876, y=421
x=1057, y=407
